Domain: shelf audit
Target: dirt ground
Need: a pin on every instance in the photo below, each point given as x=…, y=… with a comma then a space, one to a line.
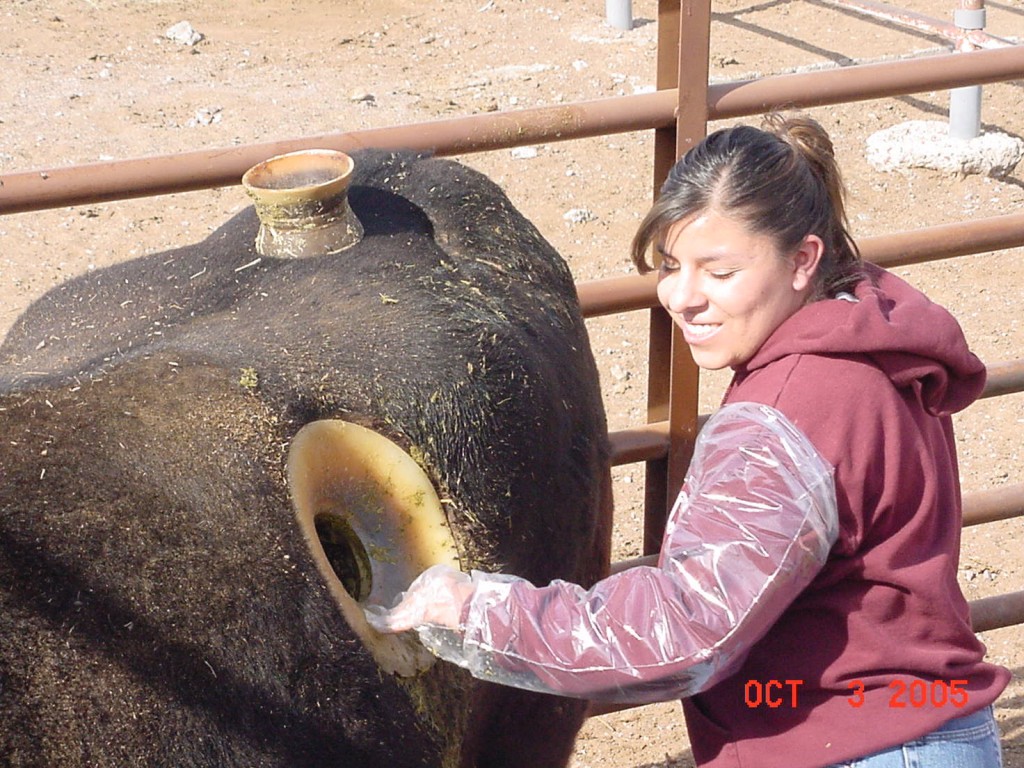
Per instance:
x=93, y=80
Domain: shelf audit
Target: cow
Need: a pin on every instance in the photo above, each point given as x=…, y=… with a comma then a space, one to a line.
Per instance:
x=163, y=602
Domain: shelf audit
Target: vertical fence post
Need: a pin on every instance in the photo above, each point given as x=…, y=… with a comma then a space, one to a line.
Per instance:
x=619, y=13
x=684, y=30
x=965, y=102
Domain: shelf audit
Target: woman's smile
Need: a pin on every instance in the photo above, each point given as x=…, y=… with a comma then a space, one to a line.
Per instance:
x=697, y=333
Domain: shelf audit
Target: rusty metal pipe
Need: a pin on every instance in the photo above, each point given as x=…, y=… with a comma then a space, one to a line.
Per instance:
x=1004, y=379
x=980, y=507
x=922, y=23
x=644, y=443
x=203, y=169
x=997, y=611
x=612, y=295
x=164, y=174
x=987, y=613
x=867, y=81
x=992, y=505
x=944, y=241
x=650, y=442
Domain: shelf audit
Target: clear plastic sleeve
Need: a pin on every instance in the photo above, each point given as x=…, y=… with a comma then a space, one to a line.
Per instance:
x=753, y=524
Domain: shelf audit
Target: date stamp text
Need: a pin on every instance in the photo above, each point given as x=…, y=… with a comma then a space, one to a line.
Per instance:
x=903, y=694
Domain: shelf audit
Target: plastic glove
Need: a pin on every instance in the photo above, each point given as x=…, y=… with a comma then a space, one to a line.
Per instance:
x=436, y=598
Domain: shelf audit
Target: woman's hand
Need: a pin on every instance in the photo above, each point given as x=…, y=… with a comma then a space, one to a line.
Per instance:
x=436, y=597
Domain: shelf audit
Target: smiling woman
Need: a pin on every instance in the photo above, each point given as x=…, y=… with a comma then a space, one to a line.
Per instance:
x=750, y=226
x=830, y=511
x=728, y=289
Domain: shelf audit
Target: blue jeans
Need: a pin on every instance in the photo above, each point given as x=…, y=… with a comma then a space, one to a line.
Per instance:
x=966, y=742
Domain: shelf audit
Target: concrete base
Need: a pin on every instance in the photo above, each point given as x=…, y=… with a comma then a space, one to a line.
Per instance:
x=927, y=144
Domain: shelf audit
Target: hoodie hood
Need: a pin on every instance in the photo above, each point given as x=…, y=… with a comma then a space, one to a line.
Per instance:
x=917, y=343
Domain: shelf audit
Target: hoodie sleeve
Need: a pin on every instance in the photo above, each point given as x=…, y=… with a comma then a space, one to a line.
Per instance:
x=753, y=524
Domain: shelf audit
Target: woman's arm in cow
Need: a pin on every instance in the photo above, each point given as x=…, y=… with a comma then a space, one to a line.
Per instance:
x=752, y=526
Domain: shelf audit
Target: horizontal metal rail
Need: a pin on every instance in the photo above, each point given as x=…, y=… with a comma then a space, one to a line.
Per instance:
x=204, y=169
x=623, y=294
x=643, y=443
x=1004, y=379
x=906, y=18
x=945, y=241
x=997, y=611
x=980, y=507
x=859, y=83
x=612, y=295
x=650, y=441
x=994, y=504
x=987, y=613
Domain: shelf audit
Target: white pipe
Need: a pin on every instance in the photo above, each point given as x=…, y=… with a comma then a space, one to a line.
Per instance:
x=965, y=103
x=965, y=112
x=619, y=13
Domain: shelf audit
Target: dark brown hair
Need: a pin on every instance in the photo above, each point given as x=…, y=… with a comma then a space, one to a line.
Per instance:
x=781, y=181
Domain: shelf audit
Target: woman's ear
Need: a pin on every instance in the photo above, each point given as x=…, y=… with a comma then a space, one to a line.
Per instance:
x=806, y=260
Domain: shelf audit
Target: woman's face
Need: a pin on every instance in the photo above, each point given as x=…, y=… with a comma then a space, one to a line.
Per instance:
x=728, y=289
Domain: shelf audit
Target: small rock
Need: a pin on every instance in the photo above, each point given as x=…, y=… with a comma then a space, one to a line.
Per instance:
x=927, y=144
x=579, y=216
x=206, y=116
x=619, y=373
x=523, y=153
x=363, y=96
x=516, y=72
x=183, y=33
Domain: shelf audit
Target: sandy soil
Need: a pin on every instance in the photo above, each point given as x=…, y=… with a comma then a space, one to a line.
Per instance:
x=91, y=80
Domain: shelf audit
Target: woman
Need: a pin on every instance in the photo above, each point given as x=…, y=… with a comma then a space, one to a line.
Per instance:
x=805, y=603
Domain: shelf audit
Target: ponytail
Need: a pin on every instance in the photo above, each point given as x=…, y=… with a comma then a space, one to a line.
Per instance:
x=806, y=137
x=783, y=182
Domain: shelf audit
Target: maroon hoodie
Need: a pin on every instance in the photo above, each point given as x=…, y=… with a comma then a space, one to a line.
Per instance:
x=810, y=640
x=881, y=639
